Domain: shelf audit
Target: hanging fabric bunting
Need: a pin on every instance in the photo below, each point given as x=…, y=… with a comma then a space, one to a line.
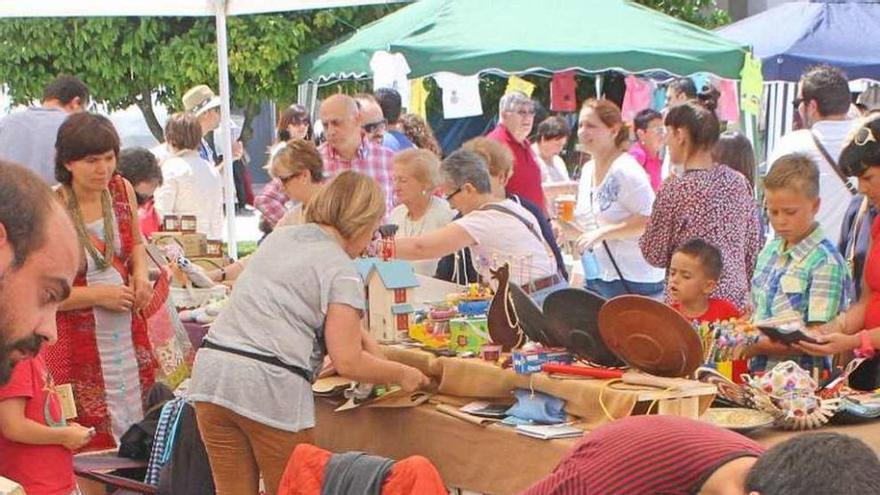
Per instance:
x=639, y=95
x=461, y=95
x=390, y=70
x=418, y=98
x=700, y=79
x=515, y=83
x=658, y=101
x=751, y=86
x=728, y=103
x=562, y=92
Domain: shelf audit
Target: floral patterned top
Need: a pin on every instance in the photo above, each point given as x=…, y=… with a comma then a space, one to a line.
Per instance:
x=715, y=205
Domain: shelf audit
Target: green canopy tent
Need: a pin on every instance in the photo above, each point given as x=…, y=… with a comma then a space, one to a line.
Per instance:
x=517, y=36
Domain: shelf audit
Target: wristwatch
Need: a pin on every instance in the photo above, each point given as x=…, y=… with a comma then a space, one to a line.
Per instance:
x=866, y=350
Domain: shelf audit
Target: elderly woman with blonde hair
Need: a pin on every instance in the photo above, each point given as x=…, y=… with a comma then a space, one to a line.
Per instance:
x=415, y=176
x=252, y=378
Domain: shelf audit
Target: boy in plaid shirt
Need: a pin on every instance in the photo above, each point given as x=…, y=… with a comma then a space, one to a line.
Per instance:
x=799, y=274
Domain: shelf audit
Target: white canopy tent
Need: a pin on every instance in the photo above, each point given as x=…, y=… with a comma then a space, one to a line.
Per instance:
x=220, y=9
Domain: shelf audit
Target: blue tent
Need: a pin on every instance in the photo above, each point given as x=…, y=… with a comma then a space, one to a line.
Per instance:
x=793, y=36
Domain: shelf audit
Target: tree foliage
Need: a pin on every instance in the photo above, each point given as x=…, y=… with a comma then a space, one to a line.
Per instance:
x=131, y=60
x=703, y=13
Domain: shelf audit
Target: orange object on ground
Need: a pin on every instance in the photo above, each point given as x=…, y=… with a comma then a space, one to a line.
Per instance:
x=304, y=474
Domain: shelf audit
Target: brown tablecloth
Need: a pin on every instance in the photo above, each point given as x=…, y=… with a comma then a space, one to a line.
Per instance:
x=487, y=459
x=491, y=459
x=478, y=379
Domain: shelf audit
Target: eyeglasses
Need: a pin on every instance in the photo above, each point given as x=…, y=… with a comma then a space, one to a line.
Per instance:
x=374, y=126
x=864, y=136
x=452, y=194
x=522, y=112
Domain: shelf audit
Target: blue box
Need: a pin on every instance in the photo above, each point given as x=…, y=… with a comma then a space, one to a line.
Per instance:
x=528, y=362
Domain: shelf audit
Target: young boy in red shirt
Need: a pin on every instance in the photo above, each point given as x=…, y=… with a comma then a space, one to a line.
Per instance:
x=693, y=274
x=36, y=443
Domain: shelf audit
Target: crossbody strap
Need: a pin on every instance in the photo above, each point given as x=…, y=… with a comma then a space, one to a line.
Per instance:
x=833, y=163
x=856, y=229
x=529, y=225
x=616, y=268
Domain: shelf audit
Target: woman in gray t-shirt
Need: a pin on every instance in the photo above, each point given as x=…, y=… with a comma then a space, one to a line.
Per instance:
x=300, y=298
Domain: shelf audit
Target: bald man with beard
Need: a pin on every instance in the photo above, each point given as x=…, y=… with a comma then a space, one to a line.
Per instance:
x=39, y=257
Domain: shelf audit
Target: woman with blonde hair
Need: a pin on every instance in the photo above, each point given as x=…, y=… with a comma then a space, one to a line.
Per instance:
x=252, y=379
x=415, y=176
x=298, y=168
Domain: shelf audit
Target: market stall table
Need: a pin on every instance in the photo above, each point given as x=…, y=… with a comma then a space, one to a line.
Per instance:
x=486, y=459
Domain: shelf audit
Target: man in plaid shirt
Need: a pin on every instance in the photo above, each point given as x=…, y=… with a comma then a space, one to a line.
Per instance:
x=799, y=273
x=347, y=149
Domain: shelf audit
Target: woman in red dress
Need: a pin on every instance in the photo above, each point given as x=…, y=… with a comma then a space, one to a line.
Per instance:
x=103, y=349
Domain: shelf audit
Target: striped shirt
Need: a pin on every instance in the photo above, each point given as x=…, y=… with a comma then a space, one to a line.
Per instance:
x=645, y=455
x=810, y=280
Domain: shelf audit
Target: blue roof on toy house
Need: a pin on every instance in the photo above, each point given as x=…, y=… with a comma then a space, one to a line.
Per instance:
x=395, y=274
x=364, y=265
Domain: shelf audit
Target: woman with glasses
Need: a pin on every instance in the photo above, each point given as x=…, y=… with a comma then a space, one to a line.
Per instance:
x=498, y=231
x=142, y=171
x=858, y=328
x=191, y=185
x=708, y=201
x=300, y=171
x=294, y=123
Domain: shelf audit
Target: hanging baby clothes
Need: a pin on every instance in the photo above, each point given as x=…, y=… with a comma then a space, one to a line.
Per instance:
x=701, y=80
x=639, y=93
x=658, y=102
x=751, y=86
x=461, y=95
x=390, y=70
x=418, y=98
x=518, y=84
x=728, y=104
x=562, y=92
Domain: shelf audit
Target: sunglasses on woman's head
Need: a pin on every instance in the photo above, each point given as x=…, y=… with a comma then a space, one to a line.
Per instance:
x=864, y=136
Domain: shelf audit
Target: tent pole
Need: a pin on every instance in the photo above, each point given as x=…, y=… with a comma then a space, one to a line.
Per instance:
x=225, y=120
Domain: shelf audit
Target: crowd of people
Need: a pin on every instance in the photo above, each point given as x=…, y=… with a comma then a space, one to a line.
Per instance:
x=665, y=207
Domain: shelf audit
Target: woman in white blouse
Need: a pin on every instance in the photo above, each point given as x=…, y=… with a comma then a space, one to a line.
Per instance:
x=614, y=204
x=415, y=177
x=550, y=139
x=190, y=185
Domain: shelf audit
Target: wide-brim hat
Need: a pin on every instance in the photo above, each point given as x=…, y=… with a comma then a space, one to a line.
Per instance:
x=199, y=99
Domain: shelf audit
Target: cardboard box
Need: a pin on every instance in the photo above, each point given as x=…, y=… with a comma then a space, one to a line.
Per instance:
x=527, y=362
x=211, y=263
x=194, y=245
x=468, y=334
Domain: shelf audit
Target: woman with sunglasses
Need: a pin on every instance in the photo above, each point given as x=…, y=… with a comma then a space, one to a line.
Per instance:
x=858, y=328
x=294, y=123
x=141, y=169
x=300, y=171
x=498, y=231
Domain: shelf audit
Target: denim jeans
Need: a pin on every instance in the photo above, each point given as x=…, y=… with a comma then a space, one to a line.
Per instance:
x=615, y=288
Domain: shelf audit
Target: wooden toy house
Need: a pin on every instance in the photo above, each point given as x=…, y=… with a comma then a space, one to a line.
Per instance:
x=390, y=287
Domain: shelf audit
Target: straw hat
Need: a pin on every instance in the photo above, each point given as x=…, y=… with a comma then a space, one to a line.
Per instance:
x=200, y=99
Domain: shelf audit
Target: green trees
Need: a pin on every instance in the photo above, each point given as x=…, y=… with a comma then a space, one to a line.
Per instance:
x=134, y=60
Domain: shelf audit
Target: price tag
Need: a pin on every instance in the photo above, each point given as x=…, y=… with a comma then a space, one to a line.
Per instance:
x=65, y=397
